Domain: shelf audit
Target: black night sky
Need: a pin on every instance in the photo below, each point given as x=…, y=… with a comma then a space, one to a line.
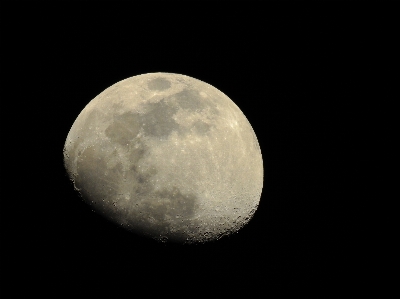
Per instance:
x=296, y=71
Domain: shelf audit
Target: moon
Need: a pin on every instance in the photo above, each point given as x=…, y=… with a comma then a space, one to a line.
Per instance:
x=166, y=156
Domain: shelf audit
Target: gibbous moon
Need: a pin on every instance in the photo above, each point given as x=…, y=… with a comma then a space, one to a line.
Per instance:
x=166, y=156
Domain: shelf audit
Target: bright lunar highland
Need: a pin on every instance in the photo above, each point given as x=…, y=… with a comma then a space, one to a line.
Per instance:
x=166, y=156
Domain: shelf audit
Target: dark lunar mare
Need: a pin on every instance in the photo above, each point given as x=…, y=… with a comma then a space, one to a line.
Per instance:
x=157, y=119
x=159, y=84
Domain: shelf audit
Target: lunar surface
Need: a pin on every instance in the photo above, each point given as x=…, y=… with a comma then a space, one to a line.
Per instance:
x=166, y=156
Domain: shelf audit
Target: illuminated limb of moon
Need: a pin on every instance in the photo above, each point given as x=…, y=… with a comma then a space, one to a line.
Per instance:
x=167, y=156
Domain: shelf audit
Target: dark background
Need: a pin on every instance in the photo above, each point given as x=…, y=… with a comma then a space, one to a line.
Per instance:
x=297, y=70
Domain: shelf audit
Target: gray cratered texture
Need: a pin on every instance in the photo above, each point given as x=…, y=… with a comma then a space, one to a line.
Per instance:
x=168, y=156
